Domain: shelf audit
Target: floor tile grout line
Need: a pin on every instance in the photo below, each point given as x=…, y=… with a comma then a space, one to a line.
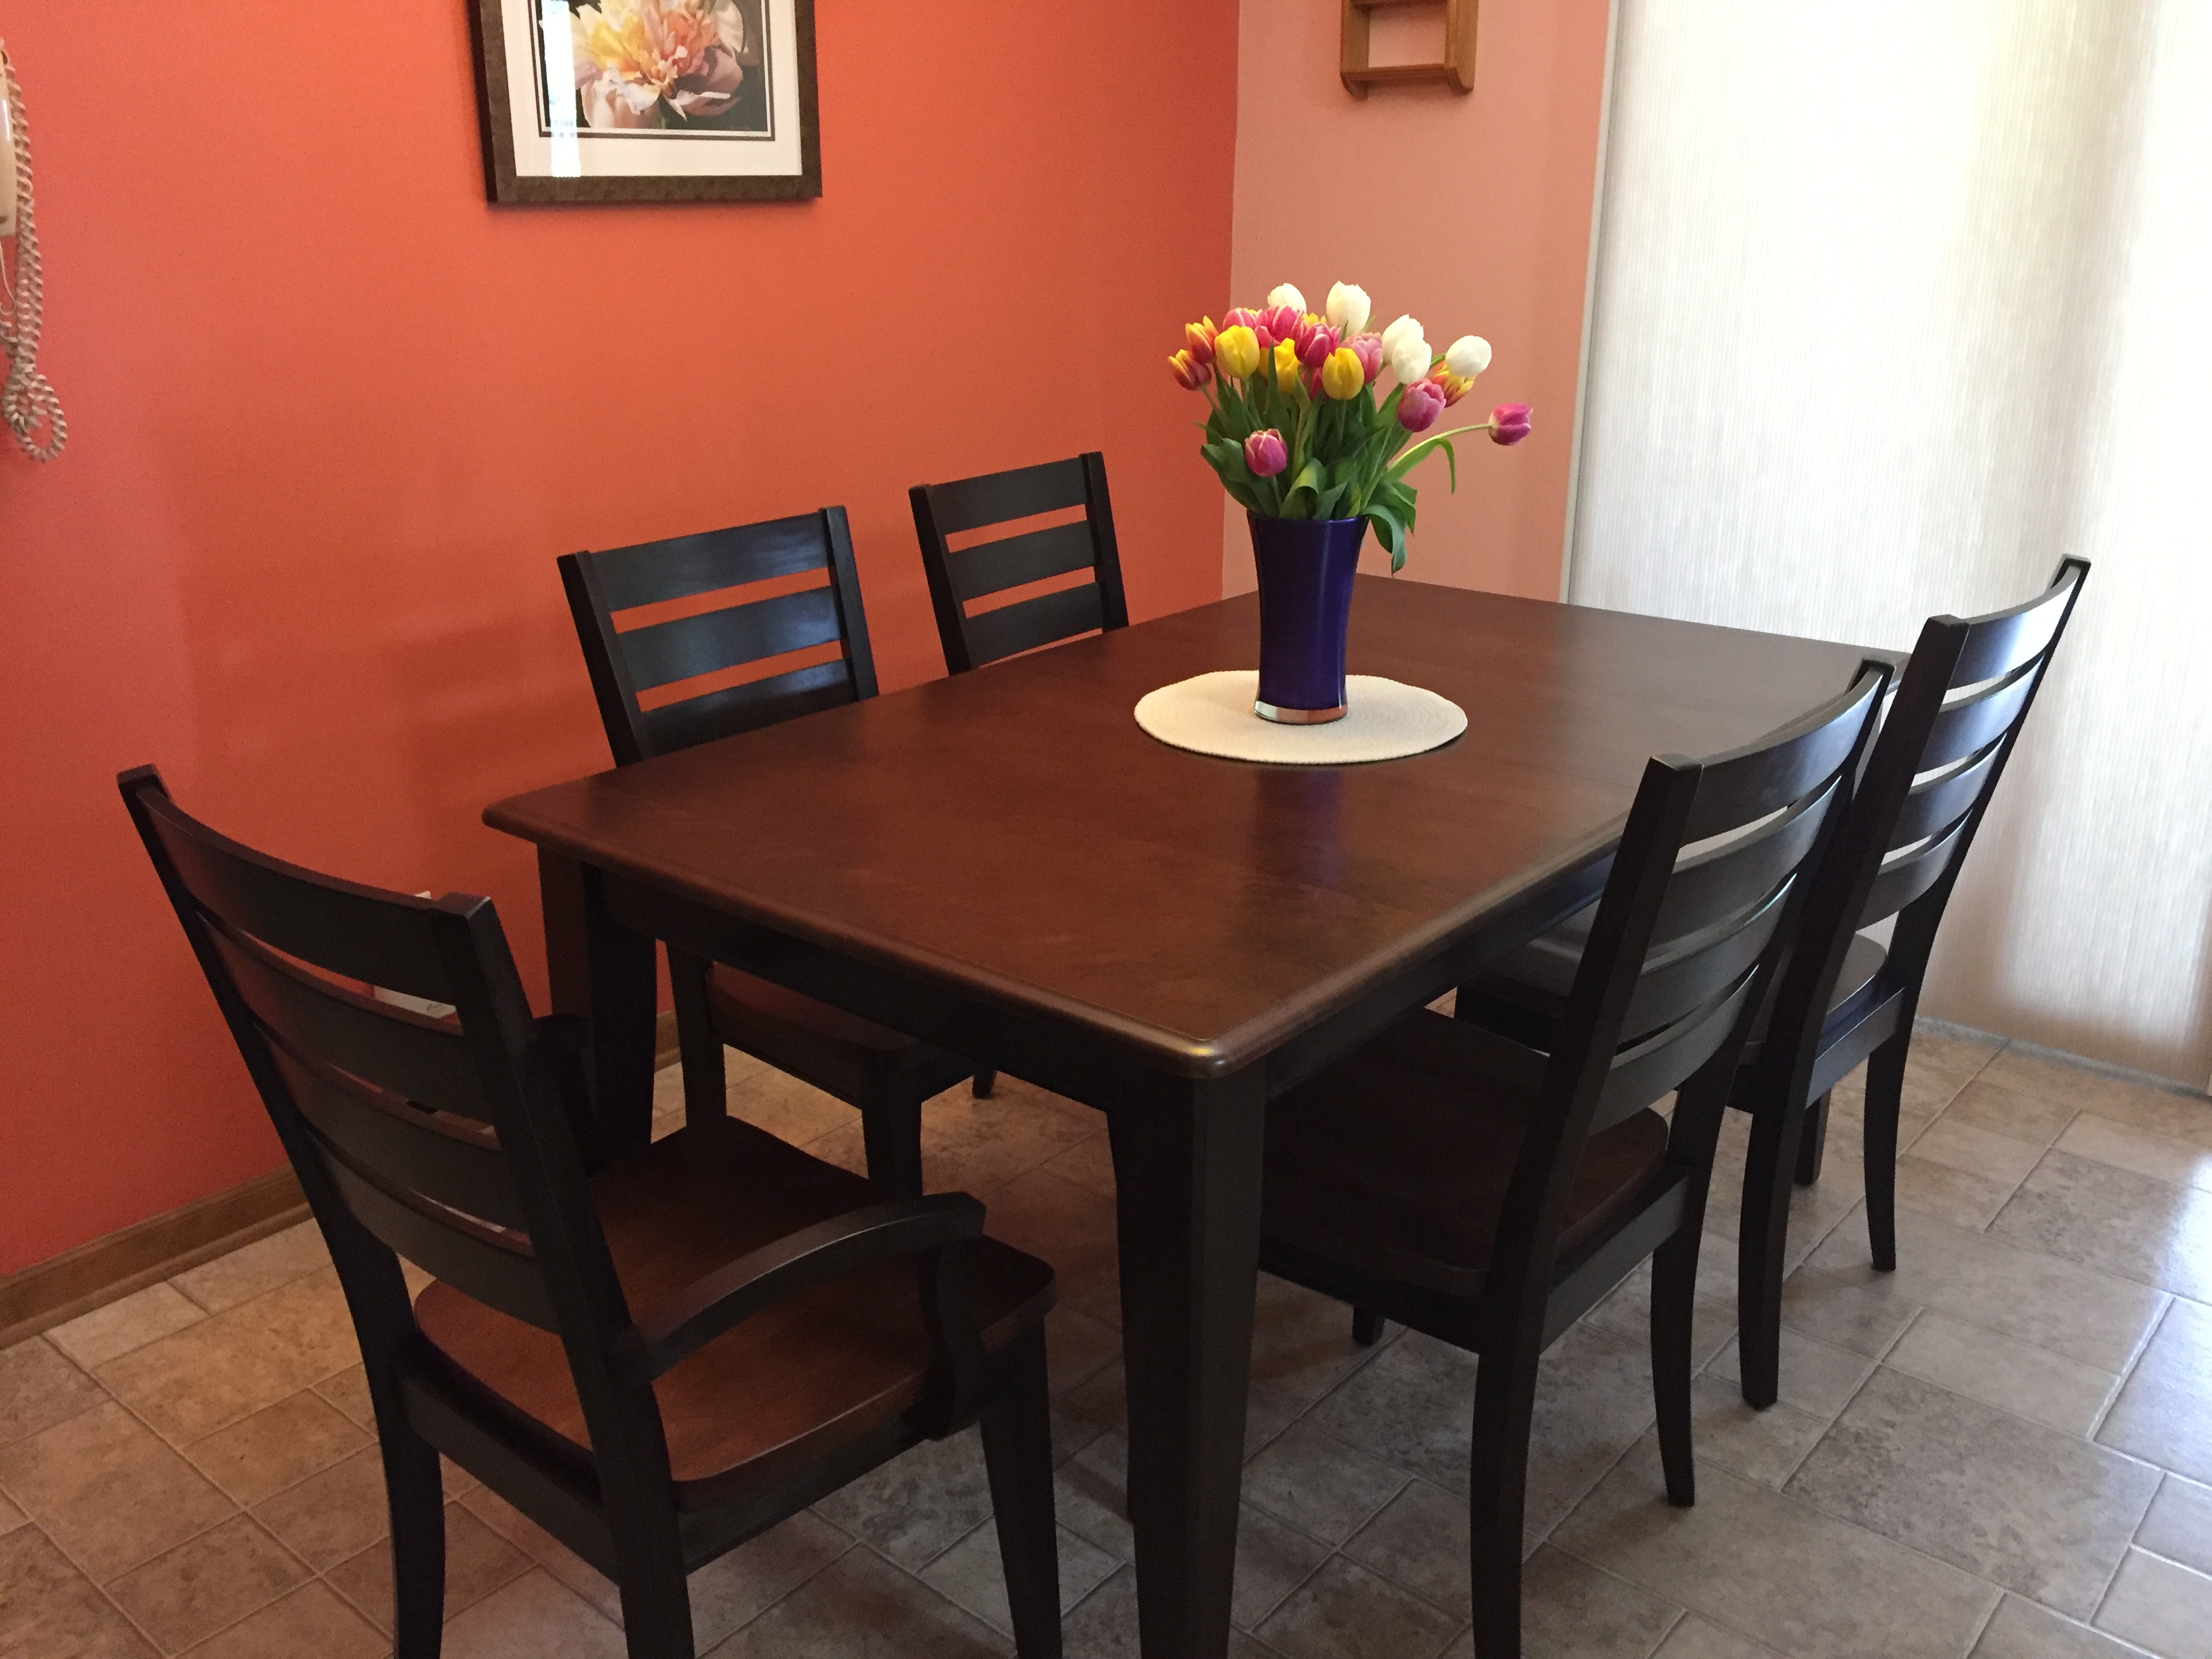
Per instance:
x=2135, y=1363
x=1983, y=1629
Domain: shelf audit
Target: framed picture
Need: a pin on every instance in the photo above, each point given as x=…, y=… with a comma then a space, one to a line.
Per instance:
x=647, y=101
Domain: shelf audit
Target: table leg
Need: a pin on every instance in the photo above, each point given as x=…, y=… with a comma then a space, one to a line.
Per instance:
x=602, y=971
x=1188, y=1174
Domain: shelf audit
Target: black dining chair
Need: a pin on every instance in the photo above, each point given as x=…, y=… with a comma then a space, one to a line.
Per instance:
x=1844, y=998
x=958, y=577
x=885, y=1074
x=1489, y=1191
x=655, y=1359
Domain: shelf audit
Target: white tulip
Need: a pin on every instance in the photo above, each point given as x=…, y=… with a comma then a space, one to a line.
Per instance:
x=1404, y=328
x=1468, y=356
x=1349, y=308
x=1286, y=295
x=1411, y=358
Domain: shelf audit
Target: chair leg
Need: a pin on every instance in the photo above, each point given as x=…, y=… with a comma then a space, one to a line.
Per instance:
x=1504, y=1403
x=699, y=1044
x=1366, y=1326
x=890, y=1132
x=1813, y=1141
x=1762, y=1243
x=1018, y=1451
x=985, y=1081
x=1885, y=1098
x=656, y=1610
x=1674, y=1299
x=417, y=1500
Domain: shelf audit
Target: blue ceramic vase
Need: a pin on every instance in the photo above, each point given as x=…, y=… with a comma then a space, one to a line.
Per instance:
x=1306, y=567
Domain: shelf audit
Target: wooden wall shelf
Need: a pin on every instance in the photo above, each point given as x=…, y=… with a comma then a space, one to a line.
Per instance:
x=1455, y=71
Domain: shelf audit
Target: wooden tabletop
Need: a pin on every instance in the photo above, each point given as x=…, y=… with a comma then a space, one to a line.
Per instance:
x=1011, y=833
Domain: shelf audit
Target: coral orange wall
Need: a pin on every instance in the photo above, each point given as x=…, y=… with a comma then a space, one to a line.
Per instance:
x=334, y=417
x=1471, y=213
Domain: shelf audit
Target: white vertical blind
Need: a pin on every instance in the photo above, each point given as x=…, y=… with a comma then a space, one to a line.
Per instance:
x=1896, y=304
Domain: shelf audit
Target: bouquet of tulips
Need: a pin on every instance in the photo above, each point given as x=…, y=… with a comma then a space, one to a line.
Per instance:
x=1300, y=428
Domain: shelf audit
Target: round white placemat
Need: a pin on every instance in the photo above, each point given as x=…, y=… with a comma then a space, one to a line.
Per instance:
x=1212, y=714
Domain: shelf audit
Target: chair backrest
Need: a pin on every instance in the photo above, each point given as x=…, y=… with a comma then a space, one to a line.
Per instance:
x=1958, y=712
x=1708, y=874
x=626, y=664
x=459, y=1142
x=958, y=578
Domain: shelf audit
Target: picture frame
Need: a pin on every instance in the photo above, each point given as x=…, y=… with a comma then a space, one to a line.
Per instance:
x=668, y=101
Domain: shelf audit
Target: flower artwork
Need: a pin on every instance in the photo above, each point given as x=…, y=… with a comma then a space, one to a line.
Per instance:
x=648, y=100
x=645, y=64
x=1301, y=424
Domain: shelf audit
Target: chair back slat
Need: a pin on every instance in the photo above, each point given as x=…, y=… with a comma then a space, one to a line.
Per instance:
x=682, y=567
x=1936, y=803
x=1721, y=879
x=2004, y=641
x=1658, y=1065
x=747, y=708
x=498, y=1271
x=451, y=1161
x=943, y=511
x=421, y=1059
x=1028, y=623
x=1013, y=561
x=1903, y=877
x=625, y=663
x=691, y=646
x=1737, y=789
x=354, y=931
x=1973, y=723
x=1022, y=492
x=1690, y=972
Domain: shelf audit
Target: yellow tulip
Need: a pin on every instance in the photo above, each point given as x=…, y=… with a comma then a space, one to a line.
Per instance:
x=1286, y=367
x=1236, y=352
x=1343, y=375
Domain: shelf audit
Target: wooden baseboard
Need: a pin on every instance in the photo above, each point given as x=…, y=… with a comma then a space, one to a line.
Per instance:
x=111, y=1268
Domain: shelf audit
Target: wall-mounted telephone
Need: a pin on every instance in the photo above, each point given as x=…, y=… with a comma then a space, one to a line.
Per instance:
x=28, y=403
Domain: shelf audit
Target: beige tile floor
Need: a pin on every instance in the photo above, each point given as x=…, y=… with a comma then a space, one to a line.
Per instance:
x=2004, y=1449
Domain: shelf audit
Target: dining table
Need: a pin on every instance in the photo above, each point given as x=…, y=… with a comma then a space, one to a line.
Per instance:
x=1003, y=863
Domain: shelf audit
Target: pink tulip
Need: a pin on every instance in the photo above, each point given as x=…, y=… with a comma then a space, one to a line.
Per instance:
x=1509, y=423
x=1243, y=317
x=1419, y=405
x=1265, y=453
x=1368, y=348
x=1314, y=340
x=1282, y=322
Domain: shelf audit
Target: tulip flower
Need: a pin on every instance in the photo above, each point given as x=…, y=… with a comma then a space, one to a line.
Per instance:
x=1286, y=366
x=1410, y=357
x=1450, y=384
x=1199, y=337
x=1266, y=454
x=1349, y=308
x=1281, y=322
x=1368, y=348
x=1236, y=350
x=1316, y=344
x=1286, y=294
x=1420, y=404
x=1469, y=355
x=1509, y=423
x=1404, y=328
x=1190, y=373
x=1342, y=375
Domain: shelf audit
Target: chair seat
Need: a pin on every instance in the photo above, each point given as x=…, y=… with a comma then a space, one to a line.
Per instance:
x=1395, y=1160
x=818, y=1370
x=840, y=1053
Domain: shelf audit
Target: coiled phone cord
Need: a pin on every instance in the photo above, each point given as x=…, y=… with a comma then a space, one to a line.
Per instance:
x=28, y=403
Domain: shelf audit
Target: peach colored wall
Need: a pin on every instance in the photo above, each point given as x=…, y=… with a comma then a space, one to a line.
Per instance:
x=333, y=417
x=1472, y=213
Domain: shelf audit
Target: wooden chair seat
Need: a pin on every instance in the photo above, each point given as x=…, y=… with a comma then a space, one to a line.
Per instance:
x=788, y=1384
x=840, y=1053
x=1396, y=1160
